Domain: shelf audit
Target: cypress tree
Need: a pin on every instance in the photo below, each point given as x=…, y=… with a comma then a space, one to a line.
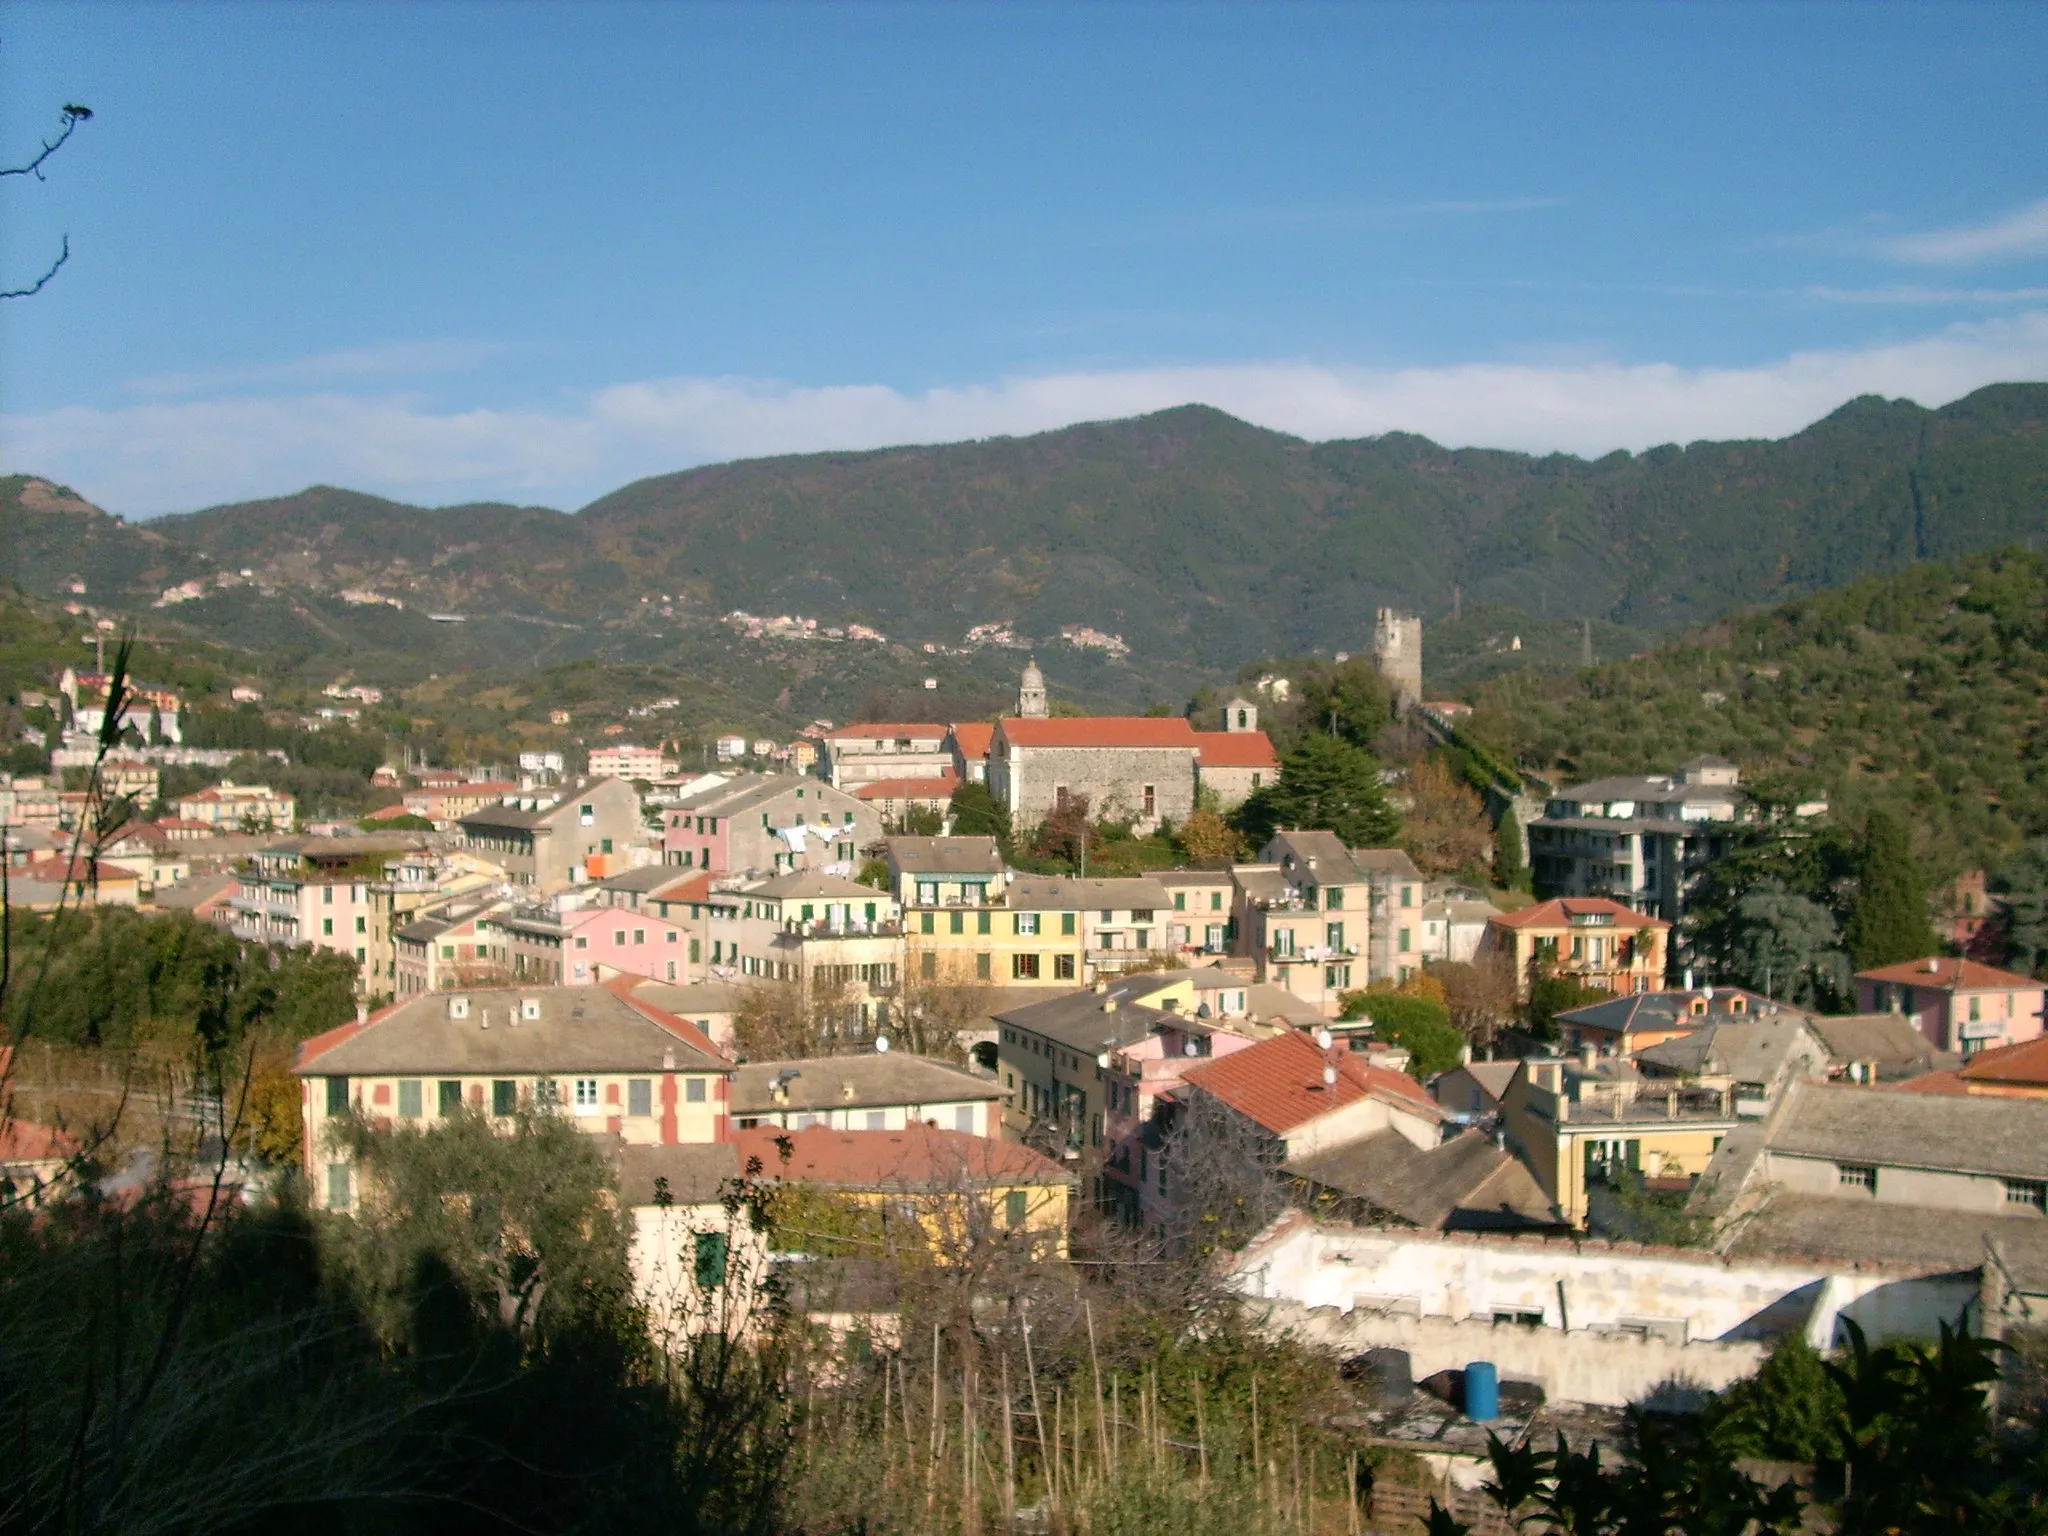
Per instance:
x=1510, y=872
x=1888, y=921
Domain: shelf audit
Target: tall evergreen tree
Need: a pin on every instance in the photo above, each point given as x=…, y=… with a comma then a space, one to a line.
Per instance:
x=1510, y=869
x=1888, y=921
x=1324, y=783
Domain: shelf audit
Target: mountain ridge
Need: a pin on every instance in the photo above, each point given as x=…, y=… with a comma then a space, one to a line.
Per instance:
x=1203, y=541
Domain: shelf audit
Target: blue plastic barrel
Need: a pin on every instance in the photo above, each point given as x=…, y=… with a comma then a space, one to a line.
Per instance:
x=1482, y=1391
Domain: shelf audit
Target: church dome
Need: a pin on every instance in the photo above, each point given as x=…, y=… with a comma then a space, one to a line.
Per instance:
x=1033, y=678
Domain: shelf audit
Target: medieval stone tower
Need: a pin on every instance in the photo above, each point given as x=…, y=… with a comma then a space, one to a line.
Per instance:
x=1031, y=704
x=1397, y=652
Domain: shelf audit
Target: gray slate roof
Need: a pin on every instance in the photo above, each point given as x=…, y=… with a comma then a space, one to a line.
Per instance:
x=945, y=855
x=804, y=884
x=855, y=1082
x=1999, y=1137
x=1465, y=1183
x=696, y=1175
x=1077, y=1020
x=580, y=1029
x=1884, y=1038
x=1749, y=1052
x=1040, y=893
x=1644, y=1011
x=1934, y=1241
x=646, y=879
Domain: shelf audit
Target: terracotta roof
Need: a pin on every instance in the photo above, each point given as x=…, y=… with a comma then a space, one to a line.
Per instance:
x=1236, y=749
x=939, y=787
x=1560, y=912
x=972, y=737
x=1100, y=731
x=885, y=730
x=695, y=887
x=26, y=1141
x=386, y=813
x=1943, y=974
x=916, y=1157
x=1279, y=1082
x=1932, y=1082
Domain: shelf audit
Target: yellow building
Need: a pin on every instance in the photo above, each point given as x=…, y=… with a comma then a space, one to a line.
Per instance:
x=1592, y=940
x=611, y=1062
x=1589, y=1124
x=954, y=1192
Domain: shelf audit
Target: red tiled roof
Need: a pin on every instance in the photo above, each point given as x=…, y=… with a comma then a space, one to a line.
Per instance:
x=1236, y=749
x=1946, y=975
x=696, y=887
x=1279, y=1082
x=1933, y=1082
x=916, y=1157
x=2022, y=1065
x=385, y=813
x=938, y=788
x=25, y=1141
x=972, y=737
x=1101, y=731
x=886, y=730
x=1560, y=912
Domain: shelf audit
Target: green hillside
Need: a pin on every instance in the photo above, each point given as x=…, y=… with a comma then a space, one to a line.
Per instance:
x=1201, y=540
x=1925, y=691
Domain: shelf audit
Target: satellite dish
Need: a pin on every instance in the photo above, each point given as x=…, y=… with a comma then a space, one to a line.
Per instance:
x=1102, y=1060
x=882, y=1044
x=1191, y=1049
x=1324, y=1038
x=1330, y=1077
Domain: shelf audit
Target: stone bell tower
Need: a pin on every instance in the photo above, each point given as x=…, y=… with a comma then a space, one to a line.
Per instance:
x=1397, y=652
x=1031, y=702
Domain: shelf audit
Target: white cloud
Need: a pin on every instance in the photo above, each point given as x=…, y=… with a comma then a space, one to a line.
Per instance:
x=1910, y=293
x=168, y=455
x=444, y=355
x=2020, y=233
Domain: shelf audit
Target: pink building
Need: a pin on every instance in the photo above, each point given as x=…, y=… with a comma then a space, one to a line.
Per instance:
x=636, y=943
x=1959, y=1005
x=1138, y=1077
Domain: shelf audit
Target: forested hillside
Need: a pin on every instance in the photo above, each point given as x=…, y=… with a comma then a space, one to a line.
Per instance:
x=1199, y=539
x=1925, y=691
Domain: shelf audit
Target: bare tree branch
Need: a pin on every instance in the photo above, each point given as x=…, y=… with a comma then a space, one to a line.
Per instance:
x=73, y=116
x=37, y=286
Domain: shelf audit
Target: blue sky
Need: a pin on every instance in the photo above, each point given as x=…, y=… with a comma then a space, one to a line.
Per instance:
x=530, y=252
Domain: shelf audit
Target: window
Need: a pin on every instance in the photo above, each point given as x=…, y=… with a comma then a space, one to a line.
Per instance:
x=928, y=966
x=640, y=1096
x=582, y=941
x=981, y=966
x=1024, y=967
x=586, y=1095
x=504, y=1097
x=337, y=1185
x=981, y=922
x=1063, y=967
x=1520, y=1319
x=409, y=1099
x=619, y=938
x=1151, y=799
x=337, y=1095
x=712, y=1251
x=927, y=893
x=639, y=935
x=1283, y=941
x=1333, y=935
x=1333, y=897
x=693, y=1090
x=696, y=951
x=1180, y=901
x=959, y=922
x=450, y=1096
x=1407, y=895
x=1027, y=924
x=1142, y=938
x=1015, y=1209
x=604, y=845
x=963, y=1118
x=360, y=926
x=1406, y=936
x=587, y=814
x=1336, y=975
x=2031, y=1193
x=925, y=924
x=1857, y=1176
x=327, y=927
x=447, y=951
x=327, y=895
x=1067, y=923
x=1976, y=1009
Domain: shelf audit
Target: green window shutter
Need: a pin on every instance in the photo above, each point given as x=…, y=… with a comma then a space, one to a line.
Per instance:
x=1015, y=1205
x=712, y=1252
x=410, y=1099
x=450, y=1098
x=337, y=1095
x=504, y=1097
x=981, y=922
x=1067, y=923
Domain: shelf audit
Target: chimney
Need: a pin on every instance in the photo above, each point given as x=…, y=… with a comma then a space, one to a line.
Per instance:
x=1589, y=1055
x=846, y=1089
x=1109, y=1005
x=668, y=1061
